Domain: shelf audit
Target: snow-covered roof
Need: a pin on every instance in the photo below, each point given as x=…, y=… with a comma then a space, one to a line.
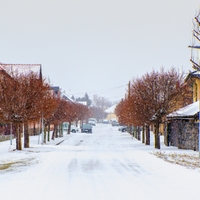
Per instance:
x=83, y=102
x=20, y=68
x=189, y=110
x=111, y=109
x=67, y=98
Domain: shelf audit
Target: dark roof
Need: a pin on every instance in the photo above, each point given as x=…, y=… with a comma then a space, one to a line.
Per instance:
x=194, y=74
x=55, y=88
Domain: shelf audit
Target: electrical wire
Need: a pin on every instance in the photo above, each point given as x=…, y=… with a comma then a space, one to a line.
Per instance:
x=103, y=91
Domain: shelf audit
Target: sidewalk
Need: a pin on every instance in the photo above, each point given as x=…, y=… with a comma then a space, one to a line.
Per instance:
x=34, y=140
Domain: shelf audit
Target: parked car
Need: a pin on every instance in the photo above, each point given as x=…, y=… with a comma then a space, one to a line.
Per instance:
x=86, y=128
x=92, y=121
x=74, y=129
x=122, y=128
x=105, y=121
x=115, y=123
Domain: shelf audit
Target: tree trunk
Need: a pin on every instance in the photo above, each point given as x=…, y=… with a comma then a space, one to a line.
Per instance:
x=34, y=129
x=130, y=129
x=61, y=130
x=53, y=134
x=26, y=136
x=167, y=134
x=48, y=134
x=143, y=135
x=56, y=131
x=157, y=135
x=147, y=135
x=69, y=128
x=45, y=133
x=18, y=138
x=135, y=132
x=138, y=130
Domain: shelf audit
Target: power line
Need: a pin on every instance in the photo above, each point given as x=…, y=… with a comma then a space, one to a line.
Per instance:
x=102, y=91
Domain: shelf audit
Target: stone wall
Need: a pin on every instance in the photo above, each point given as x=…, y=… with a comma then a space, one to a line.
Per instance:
x=188, y=139
x=184, y=134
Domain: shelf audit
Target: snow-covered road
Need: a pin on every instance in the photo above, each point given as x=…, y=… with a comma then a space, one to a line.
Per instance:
x=104, y=165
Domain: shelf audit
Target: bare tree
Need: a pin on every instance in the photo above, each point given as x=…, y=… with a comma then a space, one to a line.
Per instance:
x=160, y=93
x=151, y=98
x=34, y=90
x=100, y=104
x=22, y=101
x=83, y=112
x=13, y=103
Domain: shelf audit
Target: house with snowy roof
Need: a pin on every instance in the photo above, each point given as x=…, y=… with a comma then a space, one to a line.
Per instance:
x=111, y=116
x=12, y=69
x=182, y=128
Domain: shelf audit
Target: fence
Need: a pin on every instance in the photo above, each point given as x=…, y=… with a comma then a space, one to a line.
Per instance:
x=5, y=137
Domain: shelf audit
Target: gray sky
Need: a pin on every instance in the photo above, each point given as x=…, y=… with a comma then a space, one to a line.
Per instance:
x=97, y=46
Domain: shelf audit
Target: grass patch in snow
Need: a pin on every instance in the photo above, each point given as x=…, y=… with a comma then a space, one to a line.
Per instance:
x=11, y=165
x=186, y=160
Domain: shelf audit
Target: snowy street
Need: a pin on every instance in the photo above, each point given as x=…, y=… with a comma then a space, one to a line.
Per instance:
x=104, y=165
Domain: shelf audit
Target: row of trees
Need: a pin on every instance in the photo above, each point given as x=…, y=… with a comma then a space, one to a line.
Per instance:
x=152, y=97
x=27, y=98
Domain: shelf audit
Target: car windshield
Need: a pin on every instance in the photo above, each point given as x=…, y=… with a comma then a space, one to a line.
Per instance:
x=92, y=119
x=86, y=125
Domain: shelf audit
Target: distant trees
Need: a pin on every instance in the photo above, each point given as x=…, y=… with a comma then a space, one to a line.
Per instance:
x=83, y=112
x=84, y=99
x=51, y=108
x=72, y=113
x=151, y=98
x=99, y=105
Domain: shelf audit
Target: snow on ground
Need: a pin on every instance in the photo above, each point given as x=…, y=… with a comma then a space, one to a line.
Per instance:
x=104, y=165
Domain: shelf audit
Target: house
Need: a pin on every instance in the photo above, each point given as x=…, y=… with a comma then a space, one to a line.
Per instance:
x=111, y=116
x=56, y=91
x=13, y=69
x=182, y=125
x=22, y=68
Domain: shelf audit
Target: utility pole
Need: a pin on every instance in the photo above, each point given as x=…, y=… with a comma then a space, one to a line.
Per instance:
x=197, y=67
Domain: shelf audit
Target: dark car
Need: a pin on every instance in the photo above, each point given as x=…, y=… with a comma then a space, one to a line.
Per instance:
x=115, y=123
x=86, y=128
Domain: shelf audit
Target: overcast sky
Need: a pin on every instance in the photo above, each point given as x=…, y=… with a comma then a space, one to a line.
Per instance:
x=97, y=46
